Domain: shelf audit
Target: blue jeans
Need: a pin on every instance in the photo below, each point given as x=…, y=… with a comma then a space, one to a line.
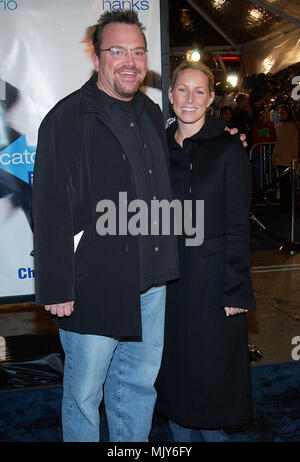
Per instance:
x=126, y=371
x=192, y=435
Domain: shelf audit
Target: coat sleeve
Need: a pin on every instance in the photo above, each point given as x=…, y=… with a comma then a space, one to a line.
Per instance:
x=238, y=292
x=52, y=203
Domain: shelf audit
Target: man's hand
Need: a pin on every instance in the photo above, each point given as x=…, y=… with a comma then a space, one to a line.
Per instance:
x=232, y=311
x=234, y=131
x=61, y=309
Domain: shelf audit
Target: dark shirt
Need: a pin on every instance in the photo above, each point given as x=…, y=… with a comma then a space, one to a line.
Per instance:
x=145, y=156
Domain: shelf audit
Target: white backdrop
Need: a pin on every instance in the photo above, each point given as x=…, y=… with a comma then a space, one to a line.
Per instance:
x=45, y=54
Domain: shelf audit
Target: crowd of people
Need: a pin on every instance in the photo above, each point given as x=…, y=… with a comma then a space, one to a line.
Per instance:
x=270, y=129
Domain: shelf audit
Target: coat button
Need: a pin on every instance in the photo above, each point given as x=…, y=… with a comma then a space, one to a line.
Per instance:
x=124, y=157
x=126, y=248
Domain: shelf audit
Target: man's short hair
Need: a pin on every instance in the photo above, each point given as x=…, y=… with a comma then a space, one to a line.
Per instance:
x=118, y=16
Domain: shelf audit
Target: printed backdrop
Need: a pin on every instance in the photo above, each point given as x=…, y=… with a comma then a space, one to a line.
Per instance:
x=45, y=54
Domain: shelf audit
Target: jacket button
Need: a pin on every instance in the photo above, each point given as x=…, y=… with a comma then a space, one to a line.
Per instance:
x=124, y=157
x=126, y=248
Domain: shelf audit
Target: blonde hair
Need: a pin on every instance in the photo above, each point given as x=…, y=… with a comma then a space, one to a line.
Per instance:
x=198, y=66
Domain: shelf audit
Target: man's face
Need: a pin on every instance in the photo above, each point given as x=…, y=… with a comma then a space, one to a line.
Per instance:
x=226, y=115
x=243, y=102
x=120, y=77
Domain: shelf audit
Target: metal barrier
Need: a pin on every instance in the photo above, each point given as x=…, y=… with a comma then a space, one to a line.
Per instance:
x=291, y=247
x=265, y=161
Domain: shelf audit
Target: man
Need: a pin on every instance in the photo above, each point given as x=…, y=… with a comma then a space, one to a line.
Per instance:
x=242, y=117
x=226, y=115
x=108, y=297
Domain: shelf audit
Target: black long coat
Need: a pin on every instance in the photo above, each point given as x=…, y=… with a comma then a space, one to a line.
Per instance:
x=204, y=381
x=81, y=159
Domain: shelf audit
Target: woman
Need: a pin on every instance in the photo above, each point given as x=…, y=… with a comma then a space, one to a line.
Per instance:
x=204, y=382
x=285, y=150
x=263, y=132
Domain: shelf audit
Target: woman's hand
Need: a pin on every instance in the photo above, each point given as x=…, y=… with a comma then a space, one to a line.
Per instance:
x=232, y=311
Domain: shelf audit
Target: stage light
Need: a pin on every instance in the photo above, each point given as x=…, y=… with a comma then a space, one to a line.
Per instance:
x=196, y=56
x=193, y=55
x=255, y=14
x=232, y=79
x=268, y=64
x=218, y=3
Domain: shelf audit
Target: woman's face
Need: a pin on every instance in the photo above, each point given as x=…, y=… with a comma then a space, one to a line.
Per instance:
x=191, y=97
x=283, y=115
x=265, y=118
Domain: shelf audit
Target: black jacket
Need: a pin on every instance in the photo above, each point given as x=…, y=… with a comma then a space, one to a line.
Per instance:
x=204, y=380
x=80, y=160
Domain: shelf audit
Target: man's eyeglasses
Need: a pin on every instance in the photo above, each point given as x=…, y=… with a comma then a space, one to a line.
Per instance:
x=120, y=52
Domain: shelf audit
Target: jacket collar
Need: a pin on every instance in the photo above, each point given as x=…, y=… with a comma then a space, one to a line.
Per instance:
x=94, y=101
x=211, y=129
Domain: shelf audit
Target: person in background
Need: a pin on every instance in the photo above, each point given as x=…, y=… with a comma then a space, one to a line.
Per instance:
x=263, y=132
x=204, y=382
x=242, y=117
x=226, y=115
x=285, y=150
x=225, y=100
x=258, y=102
